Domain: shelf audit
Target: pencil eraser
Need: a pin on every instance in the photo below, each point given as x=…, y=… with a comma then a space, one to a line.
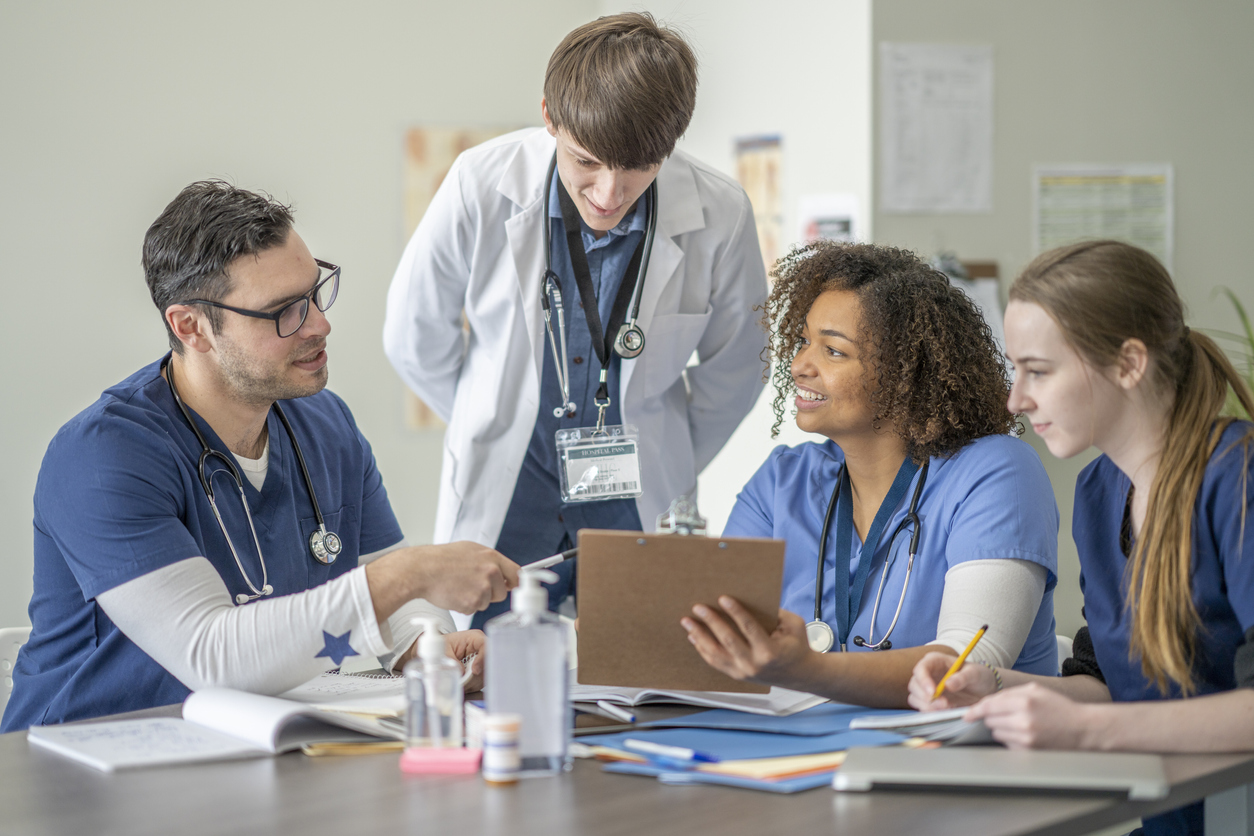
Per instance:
x=448, y=761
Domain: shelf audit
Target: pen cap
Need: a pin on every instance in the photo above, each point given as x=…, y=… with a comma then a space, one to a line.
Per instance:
x=431, y=642
x=530, y=597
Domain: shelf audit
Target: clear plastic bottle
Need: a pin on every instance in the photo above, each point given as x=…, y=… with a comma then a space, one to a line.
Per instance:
x=526, y=675
x=433, y=687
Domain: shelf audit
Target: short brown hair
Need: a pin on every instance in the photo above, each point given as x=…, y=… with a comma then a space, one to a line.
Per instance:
x=624, y=88
x=936, y=374
x=207, y=226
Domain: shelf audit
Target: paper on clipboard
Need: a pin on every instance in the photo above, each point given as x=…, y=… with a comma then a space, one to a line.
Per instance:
x=634, y=588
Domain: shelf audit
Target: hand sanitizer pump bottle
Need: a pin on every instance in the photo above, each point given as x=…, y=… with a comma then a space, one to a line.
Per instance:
x=433, y=688
x=526, y=675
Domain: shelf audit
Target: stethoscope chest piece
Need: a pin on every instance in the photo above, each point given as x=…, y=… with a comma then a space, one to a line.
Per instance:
x=629, y=342
x=325, y=545
x=820, y=636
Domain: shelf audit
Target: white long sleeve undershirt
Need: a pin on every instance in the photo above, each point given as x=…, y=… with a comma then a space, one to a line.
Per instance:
x=184, y=618
x=1005, y=594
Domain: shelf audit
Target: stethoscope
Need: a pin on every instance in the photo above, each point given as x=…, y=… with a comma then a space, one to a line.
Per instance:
x=818, y=632
x=325, y=546
x=629, y=341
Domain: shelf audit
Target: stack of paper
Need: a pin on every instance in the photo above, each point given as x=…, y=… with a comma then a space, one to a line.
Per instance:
x=943, y=726
x=780, y=702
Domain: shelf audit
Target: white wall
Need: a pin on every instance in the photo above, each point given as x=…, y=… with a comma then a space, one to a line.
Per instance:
x=108, y=109
x=1103, y=81
x=797, y=68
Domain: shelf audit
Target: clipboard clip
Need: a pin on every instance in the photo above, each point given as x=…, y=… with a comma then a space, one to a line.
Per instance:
x=681, y=517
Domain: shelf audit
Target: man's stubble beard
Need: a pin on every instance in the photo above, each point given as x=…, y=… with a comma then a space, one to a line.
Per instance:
x=252, y=383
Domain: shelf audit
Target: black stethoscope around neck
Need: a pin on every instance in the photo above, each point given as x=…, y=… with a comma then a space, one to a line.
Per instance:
x=325, y=546
x=628, y=341
x=818, y=632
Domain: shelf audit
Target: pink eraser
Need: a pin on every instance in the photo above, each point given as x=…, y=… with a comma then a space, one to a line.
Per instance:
x=448, y=761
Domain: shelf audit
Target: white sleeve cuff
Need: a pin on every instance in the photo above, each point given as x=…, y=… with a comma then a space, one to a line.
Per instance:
x=1005, y=594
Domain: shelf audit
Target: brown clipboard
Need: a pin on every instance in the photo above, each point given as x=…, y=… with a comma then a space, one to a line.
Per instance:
x=633, y=588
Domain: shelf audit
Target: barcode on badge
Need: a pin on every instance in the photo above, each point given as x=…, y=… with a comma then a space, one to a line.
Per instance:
x=612, y=487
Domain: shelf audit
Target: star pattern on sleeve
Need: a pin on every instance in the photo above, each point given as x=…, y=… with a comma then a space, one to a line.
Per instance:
x=337, y=648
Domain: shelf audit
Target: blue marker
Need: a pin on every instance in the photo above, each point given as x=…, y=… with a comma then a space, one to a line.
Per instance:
x=673, y=753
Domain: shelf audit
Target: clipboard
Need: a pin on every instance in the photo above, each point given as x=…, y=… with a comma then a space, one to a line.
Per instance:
x=633, y=588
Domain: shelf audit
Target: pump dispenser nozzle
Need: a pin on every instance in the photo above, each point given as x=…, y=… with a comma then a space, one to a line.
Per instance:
x=530, y=598
x=431, y=642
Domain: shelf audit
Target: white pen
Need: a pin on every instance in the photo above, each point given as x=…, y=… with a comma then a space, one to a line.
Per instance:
x=676, y=753
x=616, y=712
x=551, y=561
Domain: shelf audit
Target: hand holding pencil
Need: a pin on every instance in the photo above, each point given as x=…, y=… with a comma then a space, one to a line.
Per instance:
x=941, y=682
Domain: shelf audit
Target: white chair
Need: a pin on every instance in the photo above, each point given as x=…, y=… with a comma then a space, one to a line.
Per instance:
x=1064, y=650
x=11, y=641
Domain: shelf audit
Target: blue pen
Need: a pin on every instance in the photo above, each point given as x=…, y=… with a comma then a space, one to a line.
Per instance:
x=671, y=753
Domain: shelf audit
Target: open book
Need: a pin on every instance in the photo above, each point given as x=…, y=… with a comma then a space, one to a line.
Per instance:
x=224, y=724
x=780, y=702
x=944, y=726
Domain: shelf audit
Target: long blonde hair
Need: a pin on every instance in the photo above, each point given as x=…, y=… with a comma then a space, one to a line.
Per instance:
x=1101, y=294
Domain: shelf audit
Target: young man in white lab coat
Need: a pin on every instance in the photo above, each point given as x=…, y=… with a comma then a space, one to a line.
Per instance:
x=618, y=94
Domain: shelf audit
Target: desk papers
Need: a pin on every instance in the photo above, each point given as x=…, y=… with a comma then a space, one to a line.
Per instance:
x=943, y=726
x=224, y=724
x=780, y=702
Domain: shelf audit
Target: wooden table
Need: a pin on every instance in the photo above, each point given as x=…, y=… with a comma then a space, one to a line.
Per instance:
x=41, y=793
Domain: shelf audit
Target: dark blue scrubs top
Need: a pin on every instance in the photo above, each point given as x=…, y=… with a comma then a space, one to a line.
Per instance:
x=1223, y=581
x=118, y=496
x=538, y=523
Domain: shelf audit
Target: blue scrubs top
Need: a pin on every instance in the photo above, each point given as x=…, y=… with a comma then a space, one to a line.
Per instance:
x=1222, y=571
x=538, y=523
x=992, y=499
x=118, y=496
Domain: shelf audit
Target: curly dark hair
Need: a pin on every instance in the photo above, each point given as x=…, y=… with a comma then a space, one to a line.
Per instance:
x=938, y=377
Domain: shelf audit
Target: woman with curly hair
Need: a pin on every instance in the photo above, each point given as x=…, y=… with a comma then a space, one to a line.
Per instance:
x=899, y=372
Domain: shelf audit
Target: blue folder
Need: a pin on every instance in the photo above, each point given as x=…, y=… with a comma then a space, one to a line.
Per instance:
x=785, y=785
x=828, y=718
x=735, y=745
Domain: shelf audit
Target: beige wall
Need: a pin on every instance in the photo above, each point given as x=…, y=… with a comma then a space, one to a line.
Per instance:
x=107, y=110
x=1103, y=81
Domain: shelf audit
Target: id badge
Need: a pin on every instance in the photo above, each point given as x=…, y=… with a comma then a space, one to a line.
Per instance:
x=595, y=464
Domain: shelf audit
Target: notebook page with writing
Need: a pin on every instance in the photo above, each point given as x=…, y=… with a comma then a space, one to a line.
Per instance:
x=128, y=744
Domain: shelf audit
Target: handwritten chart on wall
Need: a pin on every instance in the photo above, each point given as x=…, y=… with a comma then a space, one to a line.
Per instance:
x=1130, y=203
x=936, y=128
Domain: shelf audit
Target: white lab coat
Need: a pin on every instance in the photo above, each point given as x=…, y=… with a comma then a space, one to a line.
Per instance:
x=480, y=249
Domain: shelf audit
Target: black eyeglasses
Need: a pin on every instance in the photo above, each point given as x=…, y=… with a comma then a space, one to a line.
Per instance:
x=290, y=317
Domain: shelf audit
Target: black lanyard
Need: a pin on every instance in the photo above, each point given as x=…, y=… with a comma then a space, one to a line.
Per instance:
x=602, y=340
x=852, y=597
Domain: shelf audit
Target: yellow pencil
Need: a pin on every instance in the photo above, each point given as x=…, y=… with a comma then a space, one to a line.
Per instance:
x=940, y=686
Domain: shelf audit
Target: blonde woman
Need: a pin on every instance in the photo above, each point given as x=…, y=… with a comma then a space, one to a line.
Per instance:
x=1103, y=358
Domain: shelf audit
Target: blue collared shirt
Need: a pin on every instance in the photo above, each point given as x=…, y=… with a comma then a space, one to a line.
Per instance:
x=538, y=523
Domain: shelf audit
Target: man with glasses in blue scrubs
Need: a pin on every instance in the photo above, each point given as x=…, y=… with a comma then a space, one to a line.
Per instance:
x=217, y=519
